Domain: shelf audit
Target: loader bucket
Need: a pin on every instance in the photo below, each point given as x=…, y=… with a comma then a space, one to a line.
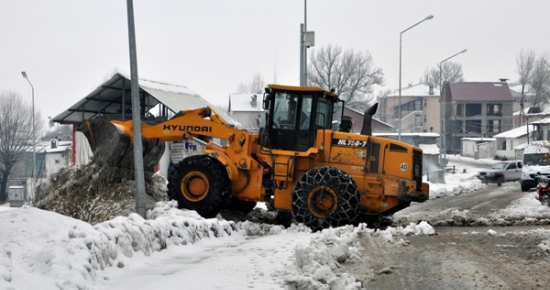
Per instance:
x=112, y=144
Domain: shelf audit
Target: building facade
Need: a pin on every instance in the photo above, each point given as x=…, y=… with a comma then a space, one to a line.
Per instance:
x=419, y=109
x=474, y=110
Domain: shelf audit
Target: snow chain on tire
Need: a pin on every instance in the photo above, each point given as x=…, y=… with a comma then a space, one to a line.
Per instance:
x=325, y=197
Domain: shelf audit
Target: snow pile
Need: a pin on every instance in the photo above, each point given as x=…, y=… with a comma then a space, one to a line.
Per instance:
x=460, y=180
x=93, y=193
x=545, y=245
x=420, y=229
x=72, y=251
x=454, y=190
x=315, y=262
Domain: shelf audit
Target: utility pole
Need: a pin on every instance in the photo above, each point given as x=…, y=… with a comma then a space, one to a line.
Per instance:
x=307, y=39
x=136, y=118
x=33, y=141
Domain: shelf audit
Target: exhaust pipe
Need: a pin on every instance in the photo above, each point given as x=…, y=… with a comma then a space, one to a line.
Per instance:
x=367, y=120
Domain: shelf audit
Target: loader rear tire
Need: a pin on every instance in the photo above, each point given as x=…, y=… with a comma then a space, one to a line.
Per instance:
x=325, y=197
x=200, y=183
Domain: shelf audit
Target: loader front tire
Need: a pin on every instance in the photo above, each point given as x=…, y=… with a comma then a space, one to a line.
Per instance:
x=200, y=183
x=325, y=197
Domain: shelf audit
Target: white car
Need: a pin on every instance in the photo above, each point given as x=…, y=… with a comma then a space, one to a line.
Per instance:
x=502, y=172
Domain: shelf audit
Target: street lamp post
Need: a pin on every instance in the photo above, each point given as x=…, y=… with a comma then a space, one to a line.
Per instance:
x=444, y=107
x=400, y=42
x=33, y=138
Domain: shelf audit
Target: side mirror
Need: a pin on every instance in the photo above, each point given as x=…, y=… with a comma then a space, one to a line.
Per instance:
x=266, y=104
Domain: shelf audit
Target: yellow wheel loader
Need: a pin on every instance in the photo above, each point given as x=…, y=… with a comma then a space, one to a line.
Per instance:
x=297, y=162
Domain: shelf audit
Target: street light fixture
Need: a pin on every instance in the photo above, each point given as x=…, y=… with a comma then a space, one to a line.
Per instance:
x=400, y=41
x=442, y=109
x=33, y=138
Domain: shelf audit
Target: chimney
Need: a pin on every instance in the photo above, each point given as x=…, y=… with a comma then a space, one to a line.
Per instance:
x=503, y=80
x=54, y=144
x=254, y=101
x=431, y=92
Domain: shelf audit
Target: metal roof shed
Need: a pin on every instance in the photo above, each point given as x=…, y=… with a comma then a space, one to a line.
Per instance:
x=113, y=100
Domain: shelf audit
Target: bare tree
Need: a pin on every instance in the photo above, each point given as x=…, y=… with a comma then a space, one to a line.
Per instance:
x=16, y=134
x=351, y=74
x=525, y=64
x=255, y=86
x=540, y=81
x=451, y=72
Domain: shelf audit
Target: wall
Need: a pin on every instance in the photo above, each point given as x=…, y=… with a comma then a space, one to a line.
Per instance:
x=509, y=152
x=430, y=110
x=57, y=160
x=249, y=120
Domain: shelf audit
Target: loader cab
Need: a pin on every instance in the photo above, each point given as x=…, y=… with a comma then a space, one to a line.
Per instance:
x=292, y=116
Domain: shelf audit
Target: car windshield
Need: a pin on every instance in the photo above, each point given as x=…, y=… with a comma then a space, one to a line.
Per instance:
x=500, y=165
x=536, y=159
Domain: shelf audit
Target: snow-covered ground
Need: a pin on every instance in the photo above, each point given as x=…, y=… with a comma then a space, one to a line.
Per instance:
x=175, y=249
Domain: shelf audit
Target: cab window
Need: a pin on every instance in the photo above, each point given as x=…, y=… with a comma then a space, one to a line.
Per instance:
x=285, y=111
x=324, y=114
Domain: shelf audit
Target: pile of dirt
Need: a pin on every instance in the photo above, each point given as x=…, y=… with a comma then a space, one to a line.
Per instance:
x=93, y=193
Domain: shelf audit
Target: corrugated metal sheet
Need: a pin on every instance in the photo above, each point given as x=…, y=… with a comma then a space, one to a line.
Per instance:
x=113, y=97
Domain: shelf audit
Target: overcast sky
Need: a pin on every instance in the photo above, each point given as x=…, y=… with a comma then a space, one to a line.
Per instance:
x=68, y=47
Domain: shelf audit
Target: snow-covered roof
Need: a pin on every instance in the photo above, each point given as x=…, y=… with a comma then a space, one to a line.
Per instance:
x=106, y=100
x=417, y=90
x=56, y=150
x=545, y=112
x=521, y=146
x=542, y=122
x=515, y=133
x=427, y=134
x=429, y=149
x=245, y=102
x=478, y=139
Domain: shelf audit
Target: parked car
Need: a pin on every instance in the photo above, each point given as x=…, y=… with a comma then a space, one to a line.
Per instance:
x=503, y=171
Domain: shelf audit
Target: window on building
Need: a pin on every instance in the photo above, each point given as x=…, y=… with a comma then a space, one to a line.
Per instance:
x=493, y=126
x=425, y=118
x=473, y=126
x=418, y=105
x=494, y=109
x=473, y=110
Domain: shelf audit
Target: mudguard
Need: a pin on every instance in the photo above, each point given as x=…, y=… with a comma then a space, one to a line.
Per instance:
x=230, y=167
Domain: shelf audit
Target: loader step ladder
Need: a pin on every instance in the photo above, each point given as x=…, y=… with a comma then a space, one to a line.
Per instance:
x=283, y=170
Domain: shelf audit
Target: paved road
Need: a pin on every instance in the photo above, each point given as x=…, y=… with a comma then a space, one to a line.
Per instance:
x=466, y=209
x=462, y=256
x=455, y=258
